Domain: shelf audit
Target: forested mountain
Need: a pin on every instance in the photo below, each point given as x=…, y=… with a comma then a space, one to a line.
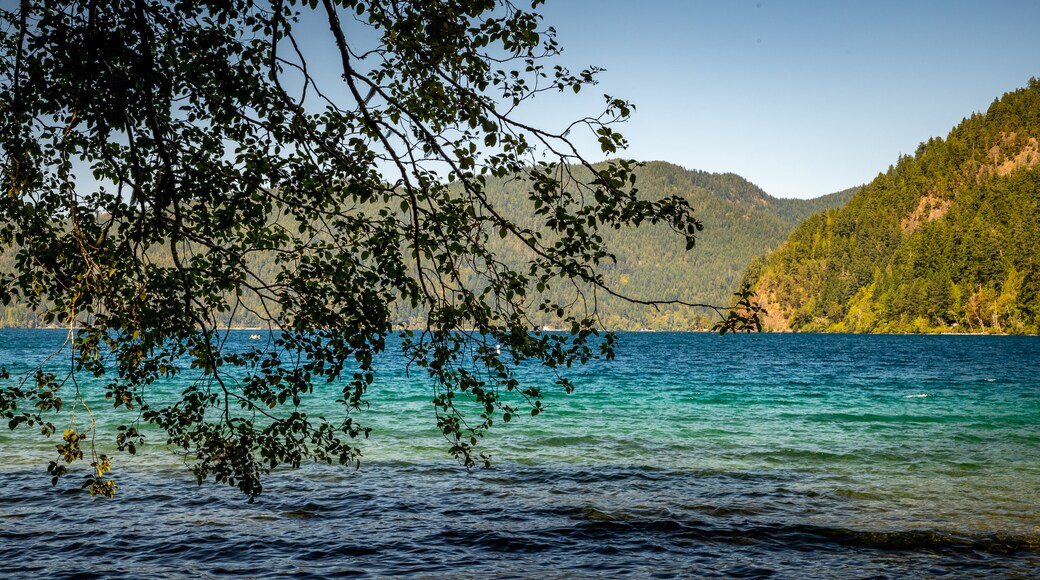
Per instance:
x=946, y=240
x=740, y=222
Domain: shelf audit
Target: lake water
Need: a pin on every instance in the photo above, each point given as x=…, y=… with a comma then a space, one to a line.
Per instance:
x=691, y=455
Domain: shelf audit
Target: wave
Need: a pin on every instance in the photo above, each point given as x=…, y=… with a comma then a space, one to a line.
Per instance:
x=410, y=519
x=804, y=537
x=886, y=418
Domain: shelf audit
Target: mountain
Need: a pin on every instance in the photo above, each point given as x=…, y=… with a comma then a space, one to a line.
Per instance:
x=740, y=222
x=946, y=240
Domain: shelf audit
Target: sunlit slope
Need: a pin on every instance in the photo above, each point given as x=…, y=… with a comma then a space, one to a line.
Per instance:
x=945, y=240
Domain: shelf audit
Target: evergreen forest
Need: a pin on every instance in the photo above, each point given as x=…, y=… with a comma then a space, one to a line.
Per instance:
x=946, y=240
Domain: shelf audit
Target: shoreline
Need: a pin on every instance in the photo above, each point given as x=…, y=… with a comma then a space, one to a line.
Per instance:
x=628, y=331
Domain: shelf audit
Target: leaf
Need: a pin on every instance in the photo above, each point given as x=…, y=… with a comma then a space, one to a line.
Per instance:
x=324, y=216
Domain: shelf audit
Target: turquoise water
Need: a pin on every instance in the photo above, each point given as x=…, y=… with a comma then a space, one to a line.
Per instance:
x=690, y=455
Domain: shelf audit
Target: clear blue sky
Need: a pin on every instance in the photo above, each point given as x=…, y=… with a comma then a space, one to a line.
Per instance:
x=802, y=98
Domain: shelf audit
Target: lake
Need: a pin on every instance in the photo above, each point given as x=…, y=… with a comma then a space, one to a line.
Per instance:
x=691, y=455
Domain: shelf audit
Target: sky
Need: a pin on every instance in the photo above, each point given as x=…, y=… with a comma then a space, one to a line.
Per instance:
x=802, y=98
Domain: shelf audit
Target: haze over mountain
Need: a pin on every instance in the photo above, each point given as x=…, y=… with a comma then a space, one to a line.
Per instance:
x=945, y=240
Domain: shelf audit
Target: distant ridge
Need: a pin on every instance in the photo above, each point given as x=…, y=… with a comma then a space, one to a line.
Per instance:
x=947, y=240
x=740, y=222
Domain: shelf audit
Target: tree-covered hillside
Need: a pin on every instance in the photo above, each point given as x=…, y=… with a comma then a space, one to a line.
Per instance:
x=740, y=222
x=946, y=240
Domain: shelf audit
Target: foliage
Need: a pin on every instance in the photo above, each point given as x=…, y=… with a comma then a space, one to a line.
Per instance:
x=946, y=240
x=156, y=155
